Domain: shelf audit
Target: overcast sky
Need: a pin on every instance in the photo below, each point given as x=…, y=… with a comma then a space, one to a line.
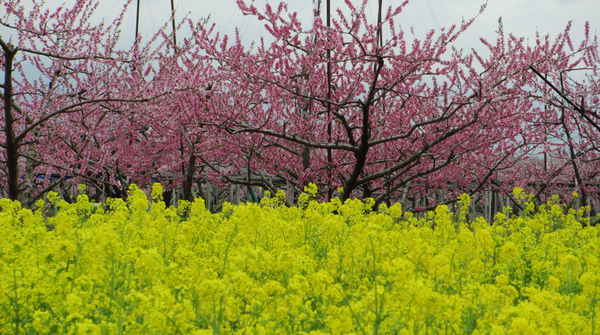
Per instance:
x=521, y=17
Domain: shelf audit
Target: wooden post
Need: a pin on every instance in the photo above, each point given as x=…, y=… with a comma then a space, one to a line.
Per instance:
x=209, y=196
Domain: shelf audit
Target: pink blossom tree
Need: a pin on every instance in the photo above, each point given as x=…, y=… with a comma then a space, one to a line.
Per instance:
x=72, y=99
x=347, y=106
x=561, y=128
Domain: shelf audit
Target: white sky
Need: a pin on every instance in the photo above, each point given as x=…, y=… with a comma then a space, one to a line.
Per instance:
x=521, y=17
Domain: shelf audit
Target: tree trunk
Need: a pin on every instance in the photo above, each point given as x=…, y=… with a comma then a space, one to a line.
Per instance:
x=12, y=152
x=189, y=179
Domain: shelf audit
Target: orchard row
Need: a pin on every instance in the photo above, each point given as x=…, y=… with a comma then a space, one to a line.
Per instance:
x=350, y=103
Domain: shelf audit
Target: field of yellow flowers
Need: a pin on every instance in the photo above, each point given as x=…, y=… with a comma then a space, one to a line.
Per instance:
x=138, y=267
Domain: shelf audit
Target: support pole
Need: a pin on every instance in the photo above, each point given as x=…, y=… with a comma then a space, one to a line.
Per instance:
x=173, y=25
x=137, y=20
x=329, y=118
x=379, y=20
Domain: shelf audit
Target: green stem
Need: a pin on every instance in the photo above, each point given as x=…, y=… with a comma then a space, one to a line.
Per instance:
x=16, y=306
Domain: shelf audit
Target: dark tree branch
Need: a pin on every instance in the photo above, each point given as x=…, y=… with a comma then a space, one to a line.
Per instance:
x=584, y=113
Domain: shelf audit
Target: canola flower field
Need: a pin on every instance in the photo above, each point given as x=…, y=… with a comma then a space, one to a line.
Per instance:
x=138, y=267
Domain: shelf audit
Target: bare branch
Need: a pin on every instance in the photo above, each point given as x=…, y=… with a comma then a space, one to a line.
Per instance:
x=562, y=94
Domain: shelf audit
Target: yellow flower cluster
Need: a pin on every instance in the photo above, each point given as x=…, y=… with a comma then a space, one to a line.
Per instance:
x=140, y=267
